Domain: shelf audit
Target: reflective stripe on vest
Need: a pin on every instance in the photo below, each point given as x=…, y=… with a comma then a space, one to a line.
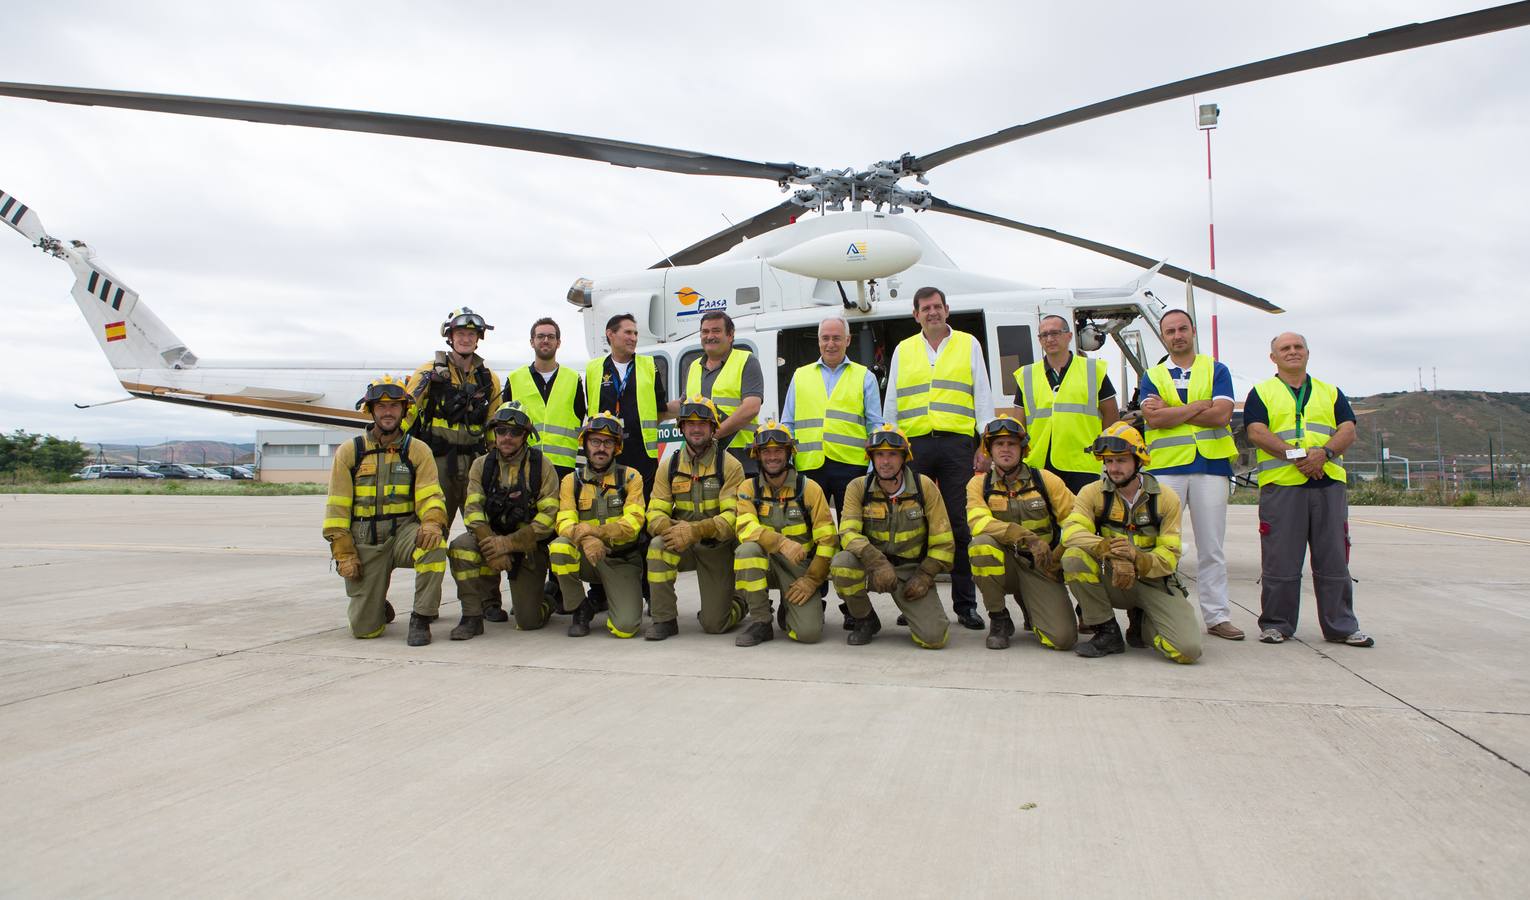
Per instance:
x=1177, y=446
x=648, y=409
x=1318, y=425
x=939, y=397
x=727, y=392
x=554, y=419
x=1063, y=424
x=829, y=427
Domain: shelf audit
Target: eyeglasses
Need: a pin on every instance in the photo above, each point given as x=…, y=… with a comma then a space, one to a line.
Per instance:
x=545, y=337
x=1048, y=335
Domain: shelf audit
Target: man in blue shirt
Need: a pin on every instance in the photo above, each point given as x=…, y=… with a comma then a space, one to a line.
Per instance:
x=1187, y=402
x=833, y=475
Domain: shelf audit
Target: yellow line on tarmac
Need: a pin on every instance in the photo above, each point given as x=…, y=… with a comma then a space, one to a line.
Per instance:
x=166, y=548
x=1465, y=534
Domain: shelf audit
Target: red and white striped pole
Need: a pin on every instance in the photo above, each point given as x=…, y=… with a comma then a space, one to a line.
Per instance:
x=1207, y=122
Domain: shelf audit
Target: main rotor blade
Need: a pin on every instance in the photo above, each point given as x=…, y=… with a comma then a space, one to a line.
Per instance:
x=617, y=153
x=1377, y=43
x=1201, y=281
x=705, y=249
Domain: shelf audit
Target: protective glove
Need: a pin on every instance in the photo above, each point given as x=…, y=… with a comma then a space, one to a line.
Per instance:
x=918, y=585
x=881, y=576
x=348, y=566
x=1015, y=534
x=792, y=552
x=1099, y=549
x=499, y=562
x=428, y=537
x=611, y=533
x=818, y=570
x=482, y=532
x=770, y=540
x=580, y=531
x=1123, y=549
x=592, y=548
x=680, y=537
x=1123, y=575
x=801, y=590
x=1050, y=562
x=705, y=530
x=1038, y=550
x=522, y=540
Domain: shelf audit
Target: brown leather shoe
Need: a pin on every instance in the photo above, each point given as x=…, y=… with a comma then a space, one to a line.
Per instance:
x=1226, y=630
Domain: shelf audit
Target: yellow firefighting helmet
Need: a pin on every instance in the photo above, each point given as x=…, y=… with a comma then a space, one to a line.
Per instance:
x=1004, y=425
x=384, y=387
x=699, y=409
x=511, y=414
x=1120, y=439
x=773, y=433
x=602, y=423
x=464, y=317
x=890, y=437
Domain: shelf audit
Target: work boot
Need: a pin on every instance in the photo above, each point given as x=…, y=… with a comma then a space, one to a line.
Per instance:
x=969, y=618
x=1106, y=640
x=865, y=630
x=388, y=614
x=580, y=626
x=469, y=626
x=756, y=633
x=1078, y=611
x=658, y=631
x=494, y=611
x=419, y=630
x=844, y=609
x=1134, y=627
x=554, y=594
x=1000, y=629
x=903, y=620
x=781, y=613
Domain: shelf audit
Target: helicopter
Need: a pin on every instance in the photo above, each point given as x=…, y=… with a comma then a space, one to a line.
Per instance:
x=777, y=273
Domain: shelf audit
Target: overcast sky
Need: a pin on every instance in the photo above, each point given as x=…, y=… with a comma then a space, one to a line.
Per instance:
x=1383, y=203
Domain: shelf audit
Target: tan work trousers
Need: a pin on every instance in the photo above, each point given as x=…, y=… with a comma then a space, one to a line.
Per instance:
x=394, y=550
x=927, y=622
x=477, y=583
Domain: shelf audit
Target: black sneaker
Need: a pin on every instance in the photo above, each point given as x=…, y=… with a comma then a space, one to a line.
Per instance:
x=1106, y=640
x=969, y=618
x=494, y=612
x=658, y=631
x=865, y=630
x=757, y=633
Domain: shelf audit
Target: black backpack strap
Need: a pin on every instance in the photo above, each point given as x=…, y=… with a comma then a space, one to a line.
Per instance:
x=674, y=463
x=359, y=447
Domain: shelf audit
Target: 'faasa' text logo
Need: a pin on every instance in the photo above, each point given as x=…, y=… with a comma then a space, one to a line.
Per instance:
x=695, y=304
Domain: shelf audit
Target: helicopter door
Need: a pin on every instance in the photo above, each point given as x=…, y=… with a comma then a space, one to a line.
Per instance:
x=1011, y=344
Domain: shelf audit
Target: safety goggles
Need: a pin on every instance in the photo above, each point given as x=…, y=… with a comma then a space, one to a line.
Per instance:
x=887, y=440
x=1004, y=426
x=512, y=430
x=1109, y=443
x=376, y=392
x=469, y=320
x=696, y=411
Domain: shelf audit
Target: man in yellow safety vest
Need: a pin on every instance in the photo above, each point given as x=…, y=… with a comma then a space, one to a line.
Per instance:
x=732, y=380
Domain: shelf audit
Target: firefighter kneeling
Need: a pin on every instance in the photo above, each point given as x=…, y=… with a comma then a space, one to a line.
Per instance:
x=1124, y=530
x=897, y=538
x=786, y=536
x=384, y=512
x=692, y=515
x=1015, y=513
x=600, y=515
x=512, y=497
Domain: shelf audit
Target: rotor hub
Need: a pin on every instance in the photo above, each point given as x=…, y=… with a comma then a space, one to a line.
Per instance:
x=829, y=189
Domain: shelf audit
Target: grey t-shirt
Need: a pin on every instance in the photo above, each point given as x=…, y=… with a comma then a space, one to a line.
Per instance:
x=753, y=379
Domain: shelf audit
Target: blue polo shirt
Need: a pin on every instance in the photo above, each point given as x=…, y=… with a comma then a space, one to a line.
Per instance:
x=1221, y=389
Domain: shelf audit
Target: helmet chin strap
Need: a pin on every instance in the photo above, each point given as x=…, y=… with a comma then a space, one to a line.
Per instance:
x=1136, y=473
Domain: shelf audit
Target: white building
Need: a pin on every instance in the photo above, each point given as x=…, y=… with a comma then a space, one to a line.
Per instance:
x=298, y=454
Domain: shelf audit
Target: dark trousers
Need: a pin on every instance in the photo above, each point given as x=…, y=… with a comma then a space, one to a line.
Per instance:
x=1292, y=519
x=834, y=477
x=946, y=459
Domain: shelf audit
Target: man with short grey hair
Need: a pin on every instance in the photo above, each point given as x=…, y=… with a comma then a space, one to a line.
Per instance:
x=1301, y=427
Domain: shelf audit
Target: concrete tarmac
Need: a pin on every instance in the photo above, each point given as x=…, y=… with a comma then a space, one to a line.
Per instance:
x=184, y=713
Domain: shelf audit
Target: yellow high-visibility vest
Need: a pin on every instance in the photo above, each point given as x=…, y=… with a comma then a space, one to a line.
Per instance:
x=648, y=409
x=557, y=426
x=727, y=392
x=1063, y=424
x=1177, y=446
x=825, y=426
x=939, y=397
x=1313, y=428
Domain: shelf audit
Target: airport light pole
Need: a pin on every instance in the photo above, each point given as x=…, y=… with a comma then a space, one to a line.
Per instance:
x=1206, y=120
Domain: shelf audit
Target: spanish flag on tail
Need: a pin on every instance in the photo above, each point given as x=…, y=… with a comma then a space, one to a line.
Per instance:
x=116, y=331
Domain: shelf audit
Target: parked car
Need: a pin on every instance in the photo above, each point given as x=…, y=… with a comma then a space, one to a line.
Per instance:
x=143, y=472
x=176, y=470
x=235, y=472
x=214, y=474
x=94, y=472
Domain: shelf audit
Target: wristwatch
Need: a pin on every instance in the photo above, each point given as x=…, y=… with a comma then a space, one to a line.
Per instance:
x=1326, y=452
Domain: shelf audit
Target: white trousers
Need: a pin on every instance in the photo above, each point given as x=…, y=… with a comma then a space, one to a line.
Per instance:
x=1204, y=498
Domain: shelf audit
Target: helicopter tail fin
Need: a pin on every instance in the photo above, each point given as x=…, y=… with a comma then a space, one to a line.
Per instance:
x=129, y=333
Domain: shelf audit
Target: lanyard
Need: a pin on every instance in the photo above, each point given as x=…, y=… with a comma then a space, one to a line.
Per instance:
x=619, y=382
x=1300, y=395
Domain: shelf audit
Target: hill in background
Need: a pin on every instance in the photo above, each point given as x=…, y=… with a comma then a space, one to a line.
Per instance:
x=1465, y=420
x=197, y=453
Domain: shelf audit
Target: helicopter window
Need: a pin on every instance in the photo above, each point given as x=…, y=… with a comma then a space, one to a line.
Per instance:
x=661, y=367
x=1015, y=350
x=746, y=295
